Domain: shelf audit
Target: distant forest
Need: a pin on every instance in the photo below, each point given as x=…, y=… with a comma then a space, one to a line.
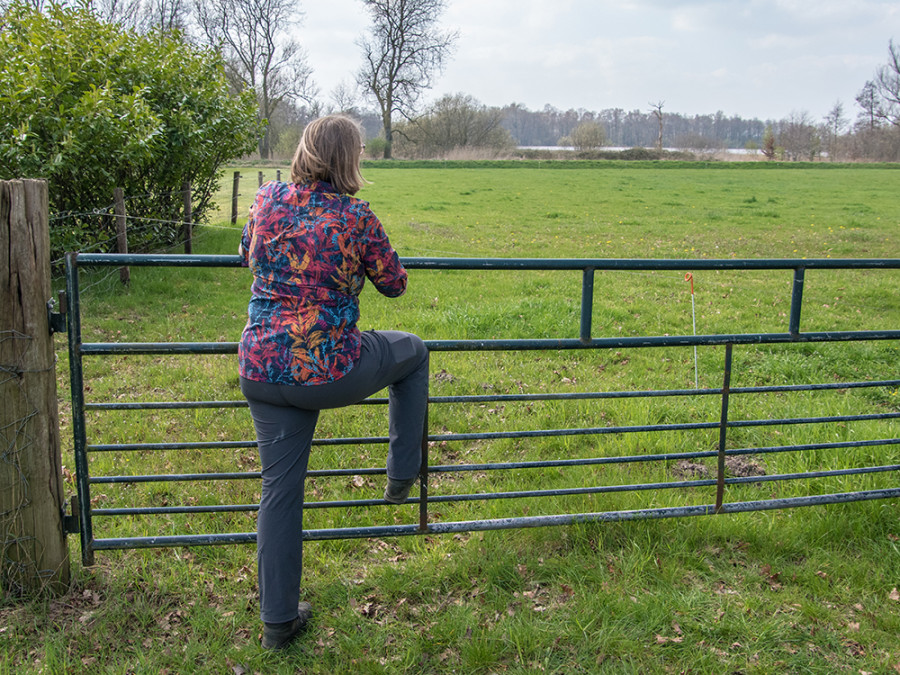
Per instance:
x=625, y=129
x=633, y=128
x=459, y=121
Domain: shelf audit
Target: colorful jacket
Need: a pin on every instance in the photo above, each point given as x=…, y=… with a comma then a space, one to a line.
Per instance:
x=310, y=250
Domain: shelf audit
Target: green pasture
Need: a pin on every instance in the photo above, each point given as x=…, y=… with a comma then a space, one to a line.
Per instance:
x=810, y=590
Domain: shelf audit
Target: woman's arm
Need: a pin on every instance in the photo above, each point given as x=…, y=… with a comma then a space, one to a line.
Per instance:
x=382, y=263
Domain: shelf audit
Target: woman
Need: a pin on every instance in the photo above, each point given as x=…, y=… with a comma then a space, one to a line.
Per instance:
x=310, y=246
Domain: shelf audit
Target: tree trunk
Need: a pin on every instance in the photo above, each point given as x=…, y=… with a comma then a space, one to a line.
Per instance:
x=34, y=552
x=264, y=144
x=388, y=136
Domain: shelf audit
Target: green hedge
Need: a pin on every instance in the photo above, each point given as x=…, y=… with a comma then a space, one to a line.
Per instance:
x=91, y=106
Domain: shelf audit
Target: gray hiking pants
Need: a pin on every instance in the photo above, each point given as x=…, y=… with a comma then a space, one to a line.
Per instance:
x=285, y=418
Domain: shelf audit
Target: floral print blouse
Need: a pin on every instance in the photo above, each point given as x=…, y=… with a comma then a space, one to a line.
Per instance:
x=310, y=250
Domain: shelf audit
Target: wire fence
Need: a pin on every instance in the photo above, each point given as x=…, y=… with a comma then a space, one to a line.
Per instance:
x=19, y=566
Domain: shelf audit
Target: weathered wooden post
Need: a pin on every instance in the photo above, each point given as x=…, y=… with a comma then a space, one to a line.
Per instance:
x=259, y=176
x=188, y=227
x=33, y=550
x=121, y=232
x=235, y=187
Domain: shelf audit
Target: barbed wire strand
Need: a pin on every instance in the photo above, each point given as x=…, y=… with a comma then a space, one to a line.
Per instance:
x=108, y=210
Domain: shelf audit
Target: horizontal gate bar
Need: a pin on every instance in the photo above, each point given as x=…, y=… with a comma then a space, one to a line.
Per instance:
x=493, y=435
x=157, y=260
x=163, y=348
x=457, y=468
x=503, y=398
x=500, y=523
x=485, y=496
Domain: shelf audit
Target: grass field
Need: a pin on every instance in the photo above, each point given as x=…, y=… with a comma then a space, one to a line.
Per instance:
x=809, y=590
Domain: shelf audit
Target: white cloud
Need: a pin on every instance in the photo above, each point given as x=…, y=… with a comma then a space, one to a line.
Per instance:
x=758, y=58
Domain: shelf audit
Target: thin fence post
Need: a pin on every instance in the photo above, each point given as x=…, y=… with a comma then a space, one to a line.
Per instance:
x=423, y=477
x=587, y=303
x=34, y=554
x=723, y=430
x=188, y=228
x=235, y=187
x=278, y=175
x=796, y=302
x=121, y=232
x=260, y=179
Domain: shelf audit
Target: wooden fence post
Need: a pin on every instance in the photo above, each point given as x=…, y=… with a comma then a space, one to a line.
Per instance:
x=34, y=553
x=234, y=196
x=121, y=232
x=188, y=230
x=260, y=178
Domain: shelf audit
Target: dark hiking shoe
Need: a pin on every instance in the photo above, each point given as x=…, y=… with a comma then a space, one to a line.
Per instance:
x=397, y=491
x=280, y=635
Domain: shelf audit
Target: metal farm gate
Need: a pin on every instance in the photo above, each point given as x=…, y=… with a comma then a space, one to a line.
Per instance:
x=715, y=485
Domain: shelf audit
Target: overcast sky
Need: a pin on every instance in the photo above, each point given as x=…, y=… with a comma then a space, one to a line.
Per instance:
x=753, y=58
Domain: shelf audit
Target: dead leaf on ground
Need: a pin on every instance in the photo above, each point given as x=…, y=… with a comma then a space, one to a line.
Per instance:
x=663, y=640
x=853, y=647
x=771, y=577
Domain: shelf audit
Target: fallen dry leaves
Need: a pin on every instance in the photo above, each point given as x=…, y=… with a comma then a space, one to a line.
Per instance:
x=679, y=637
x=771, y=577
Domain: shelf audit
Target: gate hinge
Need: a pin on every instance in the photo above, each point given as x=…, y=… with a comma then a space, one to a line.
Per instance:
x=71, y=523
x=57, y=320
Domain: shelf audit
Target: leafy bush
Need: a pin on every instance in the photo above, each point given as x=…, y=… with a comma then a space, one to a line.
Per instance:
x=91, y=106
x=375, y=147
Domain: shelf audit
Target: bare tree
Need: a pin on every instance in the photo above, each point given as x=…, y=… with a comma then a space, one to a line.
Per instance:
x=36, y=4
x=344, y=99
x=656, y=109
x=799, y=137
x=144, y=16
x=588, y=135
x=834, y=125
x=768, y=144
x=456, y=122
x=867, y=99
x=166, y=15
x=254, y=38
x=403, y=52
x=123, y=12
x=887, y=87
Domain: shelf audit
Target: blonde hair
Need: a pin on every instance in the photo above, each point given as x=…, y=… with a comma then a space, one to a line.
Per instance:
x=329, y=151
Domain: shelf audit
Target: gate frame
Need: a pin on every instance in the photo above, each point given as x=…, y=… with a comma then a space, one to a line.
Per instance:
x=588, y=267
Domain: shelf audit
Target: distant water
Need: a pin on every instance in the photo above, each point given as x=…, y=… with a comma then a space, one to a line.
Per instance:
x=729, y=151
